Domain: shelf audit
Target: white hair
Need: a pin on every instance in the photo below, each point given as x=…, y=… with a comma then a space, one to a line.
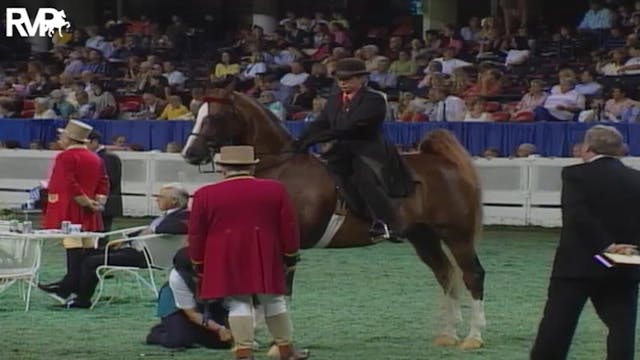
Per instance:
x=178, y=193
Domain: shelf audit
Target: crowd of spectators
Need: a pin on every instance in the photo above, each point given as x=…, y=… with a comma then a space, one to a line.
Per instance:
x=481, y=71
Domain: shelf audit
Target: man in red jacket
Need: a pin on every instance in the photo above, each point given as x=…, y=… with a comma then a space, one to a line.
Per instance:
x=77, y=191
x=243, y=237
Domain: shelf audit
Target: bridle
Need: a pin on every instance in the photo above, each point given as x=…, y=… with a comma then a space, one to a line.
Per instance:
x=215, y=147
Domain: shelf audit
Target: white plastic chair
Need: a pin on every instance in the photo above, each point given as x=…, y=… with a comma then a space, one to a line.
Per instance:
x=19, y=262
x=158, y=250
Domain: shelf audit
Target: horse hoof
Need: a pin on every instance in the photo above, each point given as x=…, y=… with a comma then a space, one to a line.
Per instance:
x=446, y=340
x=471, y=344
x=274, y=352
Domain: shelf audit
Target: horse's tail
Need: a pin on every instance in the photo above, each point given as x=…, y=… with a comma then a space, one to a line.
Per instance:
x=443, y=144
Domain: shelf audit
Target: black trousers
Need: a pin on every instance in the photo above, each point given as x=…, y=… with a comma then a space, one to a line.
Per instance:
x=88, y=277
x=361, y=185
x=177, y=331
x=616, y=303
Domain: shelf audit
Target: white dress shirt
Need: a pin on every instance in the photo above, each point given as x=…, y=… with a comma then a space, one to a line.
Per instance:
x=450, y=109
x=449, y=65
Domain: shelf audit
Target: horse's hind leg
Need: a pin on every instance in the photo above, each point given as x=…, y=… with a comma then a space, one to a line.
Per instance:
x=429, y=248
x=465, y=255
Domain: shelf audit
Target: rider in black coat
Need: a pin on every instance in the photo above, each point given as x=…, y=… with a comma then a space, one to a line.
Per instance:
x=359, y=155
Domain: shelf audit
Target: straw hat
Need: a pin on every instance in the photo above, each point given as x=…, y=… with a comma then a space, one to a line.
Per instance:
x=76, y=130
x=237, y=155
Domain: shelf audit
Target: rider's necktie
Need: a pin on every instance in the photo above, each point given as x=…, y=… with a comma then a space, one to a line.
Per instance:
x=346, y=99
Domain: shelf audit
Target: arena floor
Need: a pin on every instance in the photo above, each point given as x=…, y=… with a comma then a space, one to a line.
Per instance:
x=372, y=303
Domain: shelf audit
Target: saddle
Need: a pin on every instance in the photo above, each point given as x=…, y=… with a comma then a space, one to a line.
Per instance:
x=394, y=177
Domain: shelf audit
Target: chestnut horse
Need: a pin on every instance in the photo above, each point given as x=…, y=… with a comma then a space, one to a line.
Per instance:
x=445, y=208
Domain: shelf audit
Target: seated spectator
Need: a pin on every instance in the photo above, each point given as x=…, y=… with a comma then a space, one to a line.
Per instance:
x=471, y=32
x=434, y=69
x=478, y=112
x=564, y=106
x=86, y=109
x=106, y=105
x=296, y=77
x=460, y=81
x=96, y=63
x=303, y=98
x=618, y=104
x=268, y=99
x=632, y=65
x=518, y=48
x=417, y=50
x=323, y=50
x=174, y=77
x=412, y=110
x=371, y=56
x=318, y=78
x=588, y=86
x=339, y=33
x=173, y=148
x=256, y=66
x=489, y=84
x=225, y=68
x=35, y=145
x=449, y=62
x=594, y=111
x=597, y=18
x=316, y=109
x=615, y=40
x=172, y=201
x=182, y=313
x=403, y=66
x=531, y=100
x=491, y=153
x=175, y=110
x=61, y=107
x=74, y=64
x=566, y=73
x=525, y=150
x=451, y=39
x=197, y=99
x=381, y=76
x=143, y=77
x=43, y=109
x=159, y=86
x=133, y=68
x=119, y=142
x=446, y=106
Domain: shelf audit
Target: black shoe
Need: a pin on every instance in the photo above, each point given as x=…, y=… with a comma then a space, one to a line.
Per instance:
x=55, y=291
x=382, y=231
x=76, y=304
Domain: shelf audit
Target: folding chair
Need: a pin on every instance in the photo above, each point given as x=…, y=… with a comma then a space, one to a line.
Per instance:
x=19, y=262
x=158, y=250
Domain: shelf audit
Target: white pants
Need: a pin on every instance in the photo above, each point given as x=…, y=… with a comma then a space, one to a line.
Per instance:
x=243, y=305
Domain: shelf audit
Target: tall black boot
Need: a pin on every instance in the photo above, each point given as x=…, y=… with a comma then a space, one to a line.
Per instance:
x=384, y=215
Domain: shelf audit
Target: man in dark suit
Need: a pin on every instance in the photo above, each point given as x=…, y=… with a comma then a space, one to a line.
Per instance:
x=352, y=120
x=599, y=213
x=113, y=165
x=172, y=201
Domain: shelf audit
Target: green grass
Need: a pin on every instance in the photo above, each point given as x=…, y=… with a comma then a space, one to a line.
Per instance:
x=375, y=303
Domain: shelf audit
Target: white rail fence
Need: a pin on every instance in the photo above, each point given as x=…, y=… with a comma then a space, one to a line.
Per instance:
x=515, y=191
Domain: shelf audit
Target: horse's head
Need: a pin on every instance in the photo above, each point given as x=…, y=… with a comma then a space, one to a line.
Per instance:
x=219, y=123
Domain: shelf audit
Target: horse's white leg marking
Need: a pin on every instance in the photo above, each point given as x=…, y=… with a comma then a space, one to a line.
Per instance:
x=452, y=310
x=478, y=320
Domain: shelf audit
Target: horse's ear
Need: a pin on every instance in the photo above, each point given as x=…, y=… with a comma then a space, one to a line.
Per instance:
x=228, y=90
